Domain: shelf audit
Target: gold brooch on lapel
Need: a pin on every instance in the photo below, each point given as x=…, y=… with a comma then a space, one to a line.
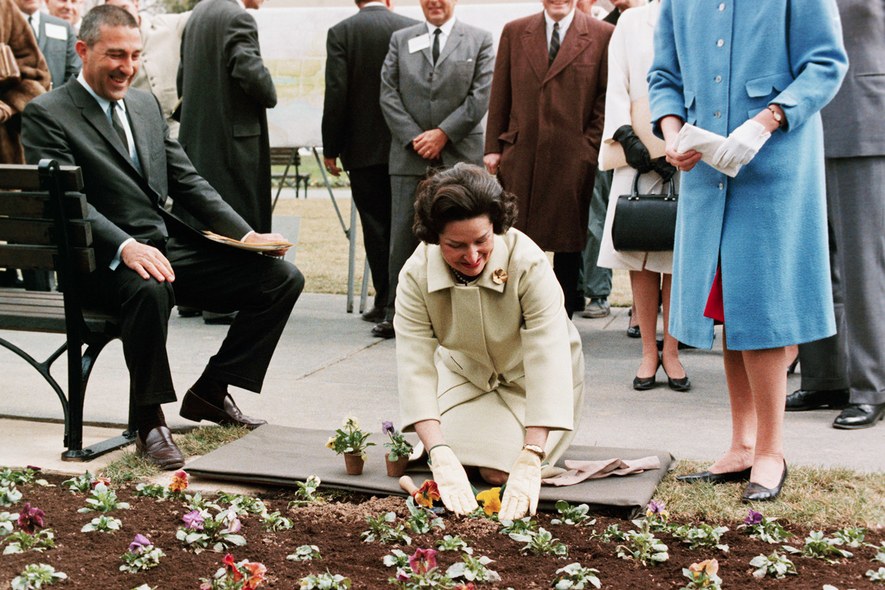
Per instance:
x=499, y=276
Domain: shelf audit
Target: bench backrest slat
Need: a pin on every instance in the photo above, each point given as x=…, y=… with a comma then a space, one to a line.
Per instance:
x=42, y=232
x=44, y=257
x=38, y=204
x=26, y=177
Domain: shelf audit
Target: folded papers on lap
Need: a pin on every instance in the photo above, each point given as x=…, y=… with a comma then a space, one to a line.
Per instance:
x=279, y=455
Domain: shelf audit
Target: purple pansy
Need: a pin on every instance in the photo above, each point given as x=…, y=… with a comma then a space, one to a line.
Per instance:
x=139, y=543
x=753, y=517
x=193, y=520
x=655, y=507
x=387, y=427
x=30, y=518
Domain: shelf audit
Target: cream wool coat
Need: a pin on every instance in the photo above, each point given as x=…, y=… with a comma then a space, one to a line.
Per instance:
x=489, y=358
x=630, y=54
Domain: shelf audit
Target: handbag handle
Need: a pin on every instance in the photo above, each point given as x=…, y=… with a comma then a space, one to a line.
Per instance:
x=671, y=189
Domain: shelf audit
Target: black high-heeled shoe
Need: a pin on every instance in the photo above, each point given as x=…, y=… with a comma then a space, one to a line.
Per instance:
x=708, y=477
x=791, y=369
x=683, y=384
x=646, y=383
x=755, y=492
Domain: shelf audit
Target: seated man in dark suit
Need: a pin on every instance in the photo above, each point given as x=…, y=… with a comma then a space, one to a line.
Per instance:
x=147, y=259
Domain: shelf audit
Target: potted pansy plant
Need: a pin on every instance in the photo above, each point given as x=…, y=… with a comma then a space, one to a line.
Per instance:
x=399, y=449
x=351, y=442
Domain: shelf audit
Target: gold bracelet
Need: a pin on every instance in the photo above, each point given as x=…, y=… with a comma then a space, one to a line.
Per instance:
x=535, y=450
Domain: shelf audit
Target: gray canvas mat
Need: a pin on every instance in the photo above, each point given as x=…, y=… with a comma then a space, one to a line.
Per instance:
x=279, y=455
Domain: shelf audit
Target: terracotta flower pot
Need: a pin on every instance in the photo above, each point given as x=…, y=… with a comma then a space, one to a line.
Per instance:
x=353, y=463
x=396, y=468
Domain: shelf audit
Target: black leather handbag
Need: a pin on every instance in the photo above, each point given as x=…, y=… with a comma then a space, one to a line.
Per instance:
x=645, y=223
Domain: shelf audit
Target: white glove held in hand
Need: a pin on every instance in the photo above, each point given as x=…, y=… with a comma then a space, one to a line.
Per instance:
x=523, y=487
x=741, y=145
x=451, y=479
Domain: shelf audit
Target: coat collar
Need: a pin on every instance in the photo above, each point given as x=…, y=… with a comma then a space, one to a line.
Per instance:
x=439, y=275
x=98, y=119
x=534, y=40
x=454, y=40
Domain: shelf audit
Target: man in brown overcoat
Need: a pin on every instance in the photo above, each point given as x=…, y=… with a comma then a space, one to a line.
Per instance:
x=545, y=124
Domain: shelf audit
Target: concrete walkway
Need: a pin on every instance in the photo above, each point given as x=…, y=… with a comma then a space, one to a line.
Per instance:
x=328, y=366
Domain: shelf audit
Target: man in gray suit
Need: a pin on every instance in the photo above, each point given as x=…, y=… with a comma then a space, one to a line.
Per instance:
x=854, y=144
x=147, y=258
x=55, y=38
x=354, y=128
x=435, y=87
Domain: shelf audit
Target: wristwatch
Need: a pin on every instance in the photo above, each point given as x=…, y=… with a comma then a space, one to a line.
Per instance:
x=535, y=449
x=777, y=115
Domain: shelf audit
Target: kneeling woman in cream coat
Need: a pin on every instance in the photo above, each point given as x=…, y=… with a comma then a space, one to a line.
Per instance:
x=491, y=372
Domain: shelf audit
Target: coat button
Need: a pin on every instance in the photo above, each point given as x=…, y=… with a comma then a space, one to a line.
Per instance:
x=721, y=185
x=717, y=79
x=721, y=7
x=720, y=43
x=717, y=114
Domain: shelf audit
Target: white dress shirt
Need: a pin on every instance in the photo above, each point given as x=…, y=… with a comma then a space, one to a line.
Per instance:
x=564, y=24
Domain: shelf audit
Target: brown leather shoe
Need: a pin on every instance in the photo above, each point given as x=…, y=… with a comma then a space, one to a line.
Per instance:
x=196, y=408
x=159, y=448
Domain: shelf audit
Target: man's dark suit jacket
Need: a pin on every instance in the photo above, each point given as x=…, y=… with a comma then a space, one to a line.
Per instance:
x=353, y=125
x=226, y=91
x=68, y=125
x=61, y=57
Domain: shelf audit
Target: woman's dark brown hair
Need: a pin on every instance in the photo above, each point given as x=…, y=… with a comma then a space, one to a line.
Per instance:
x=463, y=191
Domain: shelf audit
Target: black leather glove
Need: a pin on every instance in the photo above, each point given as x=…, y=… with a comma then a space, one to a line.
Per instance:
x=636, y=152
x=664, y=169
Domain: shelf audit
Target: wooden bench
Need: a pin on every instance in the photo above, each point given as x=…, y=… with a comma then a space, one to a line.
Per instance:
x=290, y=160
x=43, y=221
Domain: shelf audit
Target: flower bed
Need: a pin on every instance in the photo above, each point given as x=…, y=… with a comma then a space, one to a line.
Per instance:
x=286, y=540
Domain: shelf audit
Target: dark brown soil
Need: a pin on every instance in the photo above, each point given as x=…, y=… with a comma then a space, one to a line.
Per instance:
x=91, y=560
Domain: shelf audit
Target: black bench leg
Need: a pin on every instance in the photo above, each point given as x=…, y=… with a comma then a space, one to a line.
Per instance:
x=78, y=378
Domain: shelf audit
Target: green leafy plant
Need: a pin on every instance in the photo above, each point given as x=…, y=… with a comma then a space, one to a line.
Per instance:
x=305, y=492
x=349, y=438
x=9, y=495
x=450, y=543
x=152, y=490
x=103, y=499
x=764, y=528
x=702, y=535
x=6, y=522
x=80, y=484
x=202, y=530
x=141, y=556
x=613, y=533
x=37, y=575
x=473, y=569
x=102, y=524
x=422, y=520
x=274, y=521
x=573, y=515
x=17, y=477
x=642, y=546
x=880, y=552
x=420, y=571
x=821, y=547
x=657, y=517
x=241, y=504
x=702, y=576
x=324, y=581
x=396, y=558
x=385, y=529
x=398, y=445
x=541, y=543
x=20, y=541
x=574, y=576
x=775, y=565
x=851, y=537
x=305, y=553
x=523, y=526
x=876, y=575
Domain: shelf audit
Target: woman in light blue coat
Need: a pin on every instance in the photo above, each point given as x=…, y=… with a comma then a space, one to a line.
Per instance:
x=751, y=250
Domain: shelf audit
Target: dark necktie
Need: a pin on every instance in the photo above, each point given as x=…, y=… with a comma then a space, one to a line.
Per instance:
x=554, y=44
x=118, y=126
x=31, y=22
x=435, y=50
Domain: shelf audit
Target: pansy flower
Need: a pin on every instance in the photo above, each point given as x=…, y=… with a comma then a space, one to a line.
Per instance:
x=231, y=567
x=427, y=494
x=656, y=508
x=30, y=518
x=256, y=572
x=422, y=560
x=193, y=520
x=753, y=517
x=139, y=544
x=709, y=567
x=491, y=501
x=387, y=427
x=179, y=481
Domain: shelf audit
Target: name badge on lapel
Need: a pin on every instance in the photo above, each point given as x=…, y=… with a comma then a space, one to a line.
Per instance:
x=419, y=43
x=56, y=32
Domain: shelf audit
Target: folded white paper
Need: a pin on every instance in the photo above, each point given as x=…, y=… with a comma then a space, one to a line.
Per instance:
x=705, y=142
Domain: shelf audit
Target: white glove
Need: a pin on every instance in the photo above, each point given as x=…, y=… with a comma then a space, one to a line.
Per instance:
x=741, y=145
x=523, y=487
x=451, y=479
